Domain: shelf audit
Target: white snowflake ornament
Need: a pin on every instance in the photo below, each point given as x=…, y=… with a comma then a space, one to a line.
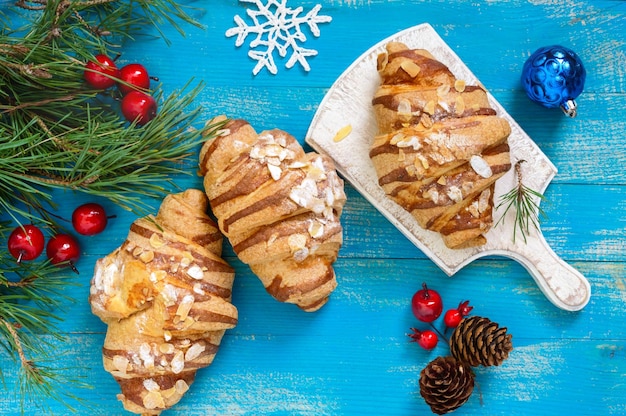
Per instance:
x=277, y=27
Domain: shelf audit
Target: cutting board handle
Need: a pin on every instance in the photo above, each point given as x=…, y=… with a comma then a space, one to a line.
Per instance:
x=563, y=285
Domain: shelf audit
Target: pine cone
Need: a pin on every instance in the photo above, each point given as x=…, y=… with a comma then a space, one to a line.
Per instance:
x=446, y=384
x=478, y=340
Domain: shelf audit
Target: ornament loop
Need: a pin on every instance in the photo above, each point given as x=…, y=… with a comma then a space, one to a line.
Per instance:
x=569, y=107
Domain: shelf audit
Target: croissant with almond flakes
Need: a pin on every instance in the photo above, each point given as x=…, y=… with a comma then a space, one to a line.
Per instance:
x=440, y=146
x=279, y=207
x=165, y=295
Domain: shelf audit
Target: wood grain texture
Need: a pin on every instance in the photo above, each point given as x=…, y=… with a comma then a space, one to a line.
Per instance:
x=353, y=356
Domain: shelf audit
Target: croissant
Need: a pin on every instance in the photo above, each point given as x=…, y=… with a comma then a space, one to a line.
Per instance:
x=440, y=146
x=279, y=207
x=165, y=295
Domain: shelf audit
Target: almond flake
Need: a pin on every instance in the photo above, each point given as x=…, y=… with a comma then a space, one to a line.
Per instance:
x=178, y=362
x=184, y=307
x=301, y=255
x=442, y=180
x=455, y=194
x=434, y=196
x=166, y=348
x=186, y=259
x=194, y=351
x=480, y=166
x=195, y=272
x=273, y=150
x=147, y=256
x=426, y=121
x=443, y=90
x=197, y=288
x=429, y=108
x=483, y=200
x=296, y=242
x=156, y=241
x=181, y=387
x=169, y=393
x=342, y=133
x=410, y=68
x=157, y=275
x=296, y=165
x=459, y=85
x=145, y=353
x=137, y=251
x=473, y=209
x=411, y=141
x=153, y=400
x=275, y=171
x=151, y=385
x=423, y=161
x=316, y=229
x=396, y=138
x=404, y=107
x=121, y=363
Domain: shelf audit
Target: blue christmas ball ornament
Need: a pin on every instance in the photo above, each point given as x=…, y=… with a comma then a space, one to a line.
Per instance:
x=554, y=76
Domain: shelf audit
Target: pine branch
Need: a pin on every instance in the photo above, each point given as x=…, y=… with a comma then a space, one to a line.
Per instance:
x=58, y=133
x=525, y=202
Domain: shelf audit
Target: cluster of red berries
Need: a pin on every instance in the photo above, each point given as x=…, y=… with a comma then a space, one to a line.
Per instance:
x=132, y=81
x=27, y=242
x=427, y=306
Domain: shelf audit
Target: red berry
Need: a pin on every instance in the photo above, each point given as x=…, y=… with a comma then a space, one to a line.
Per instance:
x=453, y=317
x=64, y=250
x=426, y=339
x=89, y=219
x=135, y=75
x=139, y=106
x=26, y=242
x=426, y=304
x=99, y=73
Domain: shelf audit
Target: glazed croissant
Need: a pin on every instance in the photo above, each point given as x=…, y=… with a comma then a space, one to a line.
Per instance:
x=440, y=146
x=165, y=295
x=279, y=208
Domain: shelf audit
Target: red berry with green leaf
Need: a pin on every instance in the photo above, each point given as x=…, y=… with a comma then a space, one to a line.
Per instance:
x=138, y=106
x=426, y=339
x=63, y=250
x=135, y=77
x=26, y=242
x=426, y=304
x=453, y=317
x=89, y=219
x=101, y=72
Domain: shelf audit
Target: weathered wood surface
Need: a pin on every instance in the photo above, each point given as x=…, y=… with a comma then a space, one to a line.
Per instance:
x=353, y=356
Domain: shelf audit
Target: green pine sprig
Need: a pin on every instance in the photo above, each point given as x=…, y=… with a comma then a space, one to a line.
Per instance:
x=57, y=133
x=525, y=202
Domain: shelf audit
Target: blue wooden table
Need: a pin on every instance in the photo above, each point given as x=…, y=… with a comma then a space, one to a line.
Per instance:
x=354, y=356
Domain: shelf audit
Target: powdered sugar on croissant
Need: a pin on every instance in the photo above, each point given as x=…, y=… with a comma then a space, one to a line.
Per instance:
x=165, y=295
x=279, y=207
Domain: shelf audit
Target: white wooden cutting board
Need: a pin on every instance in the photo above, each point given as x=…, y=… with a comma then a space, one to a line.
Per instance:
x=349, y=102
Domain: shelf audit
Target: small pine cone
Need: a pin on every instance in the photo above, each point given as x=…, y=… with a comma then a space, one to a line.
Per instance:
x=446, y=384
x=478, y=340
